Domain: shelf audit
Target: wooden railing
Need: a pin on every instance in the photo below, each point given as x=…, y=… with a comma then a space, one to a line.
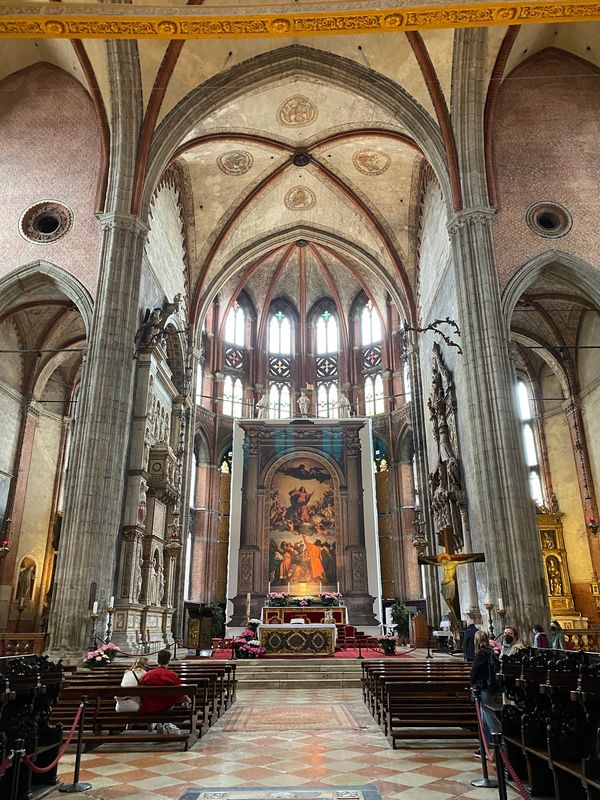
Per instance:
x=20, y=644
x=582, y=639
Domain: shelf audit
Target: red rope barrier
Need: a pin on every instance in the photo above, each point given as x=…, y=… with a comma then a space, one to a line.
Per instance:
x=489, y=756
x=29, y=763
x=6, y=762
x=522, y=790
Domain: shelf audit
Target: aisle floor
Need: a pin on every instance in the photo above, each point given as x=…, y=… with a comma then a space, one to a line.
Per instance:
x=306, y=739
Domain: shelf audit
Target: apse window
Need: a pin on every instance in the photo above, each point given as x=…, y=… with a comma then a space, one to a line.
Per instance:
x=551, y=220
x=525, y=406
x=44, y=223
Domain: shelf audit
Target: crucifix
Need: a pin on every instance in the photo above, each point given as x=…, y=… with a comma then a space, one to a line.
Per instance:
x=449, y=563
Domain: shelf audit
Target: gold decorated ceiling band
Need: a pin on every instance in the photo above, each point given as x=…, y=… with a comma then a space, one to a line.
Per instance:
x=36, y=21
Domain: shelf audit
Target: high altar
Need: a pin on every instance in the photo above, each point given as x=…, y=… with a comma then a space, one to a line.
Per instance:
x=303, y=517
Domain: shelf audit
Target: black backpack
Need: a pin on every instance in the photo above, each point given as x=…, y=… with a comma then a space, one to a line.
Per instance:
x=493, y=669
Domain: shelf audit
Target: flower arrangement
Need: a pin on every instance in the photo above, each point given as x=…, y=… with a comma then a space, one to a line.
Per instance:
x=388, y=644
x=330, y=598
x=246, y=644
x=277, y=599
x=302, y=602
x=102, y=656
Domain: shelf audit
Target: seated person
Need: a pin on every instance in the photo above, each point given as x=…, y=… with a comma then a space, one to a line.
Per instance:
x=162, y=676
x=132, y=677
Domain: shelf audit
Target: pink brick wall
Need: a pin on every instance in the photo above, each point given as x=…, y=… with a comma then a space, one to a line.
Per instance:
x=547, y=130
x=49, y=150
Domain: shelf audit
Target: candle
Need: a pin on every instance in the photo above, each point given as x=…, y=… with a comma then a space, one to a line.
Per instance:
x=248, y=604
x=488, y=600
x=95, y=607
x=338, y=585
x=320, y=587
x=288, y=587
x=269, y=589
x=112, y=602
x=500, y=603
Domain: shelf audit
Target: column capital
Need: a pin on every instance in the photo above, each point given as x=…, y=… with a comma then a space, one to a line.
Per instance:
x=114, y=220
x=481, y=215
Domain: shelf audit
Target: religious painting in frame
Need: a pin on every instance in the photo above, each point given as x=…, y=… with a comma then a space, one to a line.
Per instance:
x=302, y=527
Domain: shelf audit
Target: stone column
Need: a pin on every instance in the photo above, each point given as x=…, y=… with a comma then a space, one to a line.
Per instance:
x=95, y=488
x=501, y=511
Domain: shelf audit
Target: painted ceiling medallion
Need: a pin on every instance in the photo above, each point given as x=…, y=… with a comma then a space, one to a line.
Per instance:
x=297, y=111
x=236, y=162
x=300, y=199
x=371, y=162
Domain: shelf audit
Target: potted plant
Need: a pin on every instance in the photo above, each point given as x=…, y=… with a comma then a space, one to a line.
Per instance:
x=388, y=644
x=277, y=599
x=330, y=598
x=400, y=618
x=251, y=649
x=303, y=602
x=102, y=656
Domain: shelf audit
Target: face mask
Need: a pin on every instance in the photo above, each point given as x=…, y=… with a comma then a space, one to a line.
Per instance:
x=509, y=639
x=552, y=627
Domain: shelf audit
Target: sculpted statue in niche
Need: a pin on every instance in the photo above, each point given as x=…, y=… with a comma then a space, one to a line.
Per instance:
x=554, y=576
x=138, y=579
x=152, y=598
x=141, y=515
x=26, y=580
x=303, y=403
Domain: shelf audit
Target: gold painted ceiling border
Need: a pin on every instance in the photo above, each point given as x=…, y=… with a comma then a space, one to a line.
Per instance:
x=37, y=21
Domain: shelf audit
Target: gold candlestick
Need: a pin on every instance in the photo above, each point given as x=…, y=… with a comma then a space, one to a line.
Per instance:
x=490, y=606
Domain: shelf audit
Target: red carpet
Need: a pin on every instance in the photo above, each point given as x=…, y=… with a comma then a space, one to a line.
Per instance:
x=350, y=653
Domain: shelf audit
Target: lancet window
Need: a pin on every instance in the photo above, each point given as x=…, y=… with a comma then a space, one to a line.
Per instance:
x=525, y=407
x=280, y=364
x=371, y=337
x=327, y=366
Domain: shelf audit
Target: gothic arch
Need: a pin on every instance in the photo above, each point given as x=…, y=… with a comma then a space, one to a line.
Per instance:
x=582, y=275
x=295, y=60
x=30, y=276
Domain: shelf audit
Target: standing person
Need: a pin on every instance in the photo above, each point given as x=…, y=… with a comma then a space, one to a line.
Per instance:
x=557, y=635
x=540, y=637
x=162, y=676
x=510, y=641
x=483, y=678
x=132, y=677
x=469, y=641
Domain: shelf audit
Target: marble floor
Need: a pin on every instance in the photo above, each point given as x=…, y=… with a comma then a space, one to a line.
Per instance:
x=271, y=753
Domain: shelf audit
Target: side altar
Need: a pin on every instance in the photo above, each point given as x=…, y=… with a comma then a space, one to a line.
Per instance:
x=283, y=615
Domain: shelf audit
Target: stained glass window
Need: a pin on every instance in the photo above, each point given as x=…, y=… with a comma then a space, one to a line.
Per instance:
x=280, y=334
x=370, y=325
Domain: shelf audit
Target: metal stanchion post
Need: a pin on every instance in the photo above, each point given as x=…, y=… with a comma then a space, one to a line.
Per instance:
x=360, y=655
x=19, y=752
x=77, y=785
x=486, y=782
x=429, y=653
x=497, y=743
x=233, y=647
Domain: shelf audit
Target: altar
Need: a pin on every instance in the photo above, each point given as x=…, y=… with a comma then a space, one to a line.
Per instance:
x=298, y=640
x=282, y=615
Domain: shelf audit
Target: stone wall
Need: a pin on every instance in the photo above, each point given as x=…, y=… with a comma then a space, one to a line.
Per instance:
x=545, y=149
x=50, y=150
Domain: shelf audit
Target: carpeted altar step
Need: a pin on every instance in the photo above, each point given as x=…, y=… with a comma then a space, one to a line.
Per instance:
x=298, y=674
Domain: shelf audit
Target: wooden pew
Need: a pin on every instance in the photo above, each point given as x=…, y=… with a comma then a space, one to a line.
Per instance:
x=551, y=721
x=31, y=685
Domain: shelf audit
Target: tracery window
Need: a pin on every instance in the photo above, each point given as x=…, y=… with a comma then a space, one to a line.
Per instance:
x=280, y=365
x=234, y=325
x=233, y=396
x=525, y=406
x=372, y=360
x=327, y=353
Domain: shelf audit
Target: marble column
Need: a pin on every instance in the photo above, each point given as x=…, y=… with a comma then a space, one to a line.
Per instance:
x=86, y=558
x=500, y=509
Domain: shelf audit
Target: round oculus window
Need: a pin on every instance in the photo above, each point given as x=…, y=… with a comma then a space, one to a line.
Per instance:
x=550, y=220
x=45, y=222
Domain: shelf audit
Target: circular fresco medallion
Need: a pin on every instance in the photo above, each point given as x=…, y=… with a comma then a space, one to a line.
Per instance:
x=371, y=162
x=296, y=111
x=236, y=162
x=300, y=199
